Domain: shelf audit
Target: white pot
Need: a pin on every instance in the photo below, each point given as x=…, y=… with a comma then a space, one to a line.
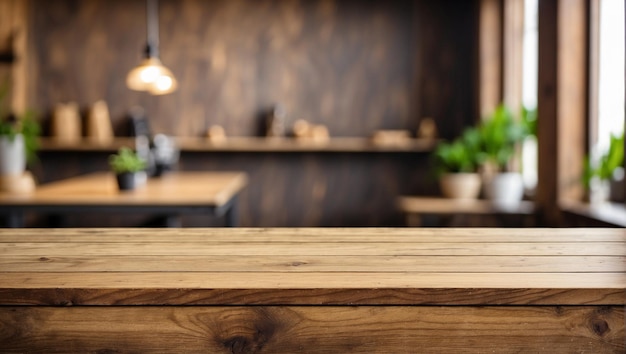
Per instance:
x=460, y=185
x=505, y=189
x=12, y=156
x=599, y=190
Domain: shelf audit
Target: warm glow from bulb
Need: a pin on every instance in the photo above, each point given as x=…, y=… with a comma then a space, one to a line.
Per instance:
x=151, y=76
x=164, y=83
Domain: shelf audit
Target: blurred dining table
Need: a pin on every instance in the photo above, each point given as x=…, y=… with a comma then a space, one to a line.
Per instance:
x=170, y=195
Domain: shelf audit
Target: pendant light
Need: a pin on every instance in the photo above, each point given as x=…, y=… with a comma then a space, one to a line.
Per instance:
x=151, y=75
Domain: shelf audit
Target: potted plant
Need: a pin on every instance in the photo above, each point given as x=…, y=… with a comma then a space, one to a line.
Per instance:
x=500, y=135
x=458, y=163
x=128, y=167
x=597, y=177
x=18, y=137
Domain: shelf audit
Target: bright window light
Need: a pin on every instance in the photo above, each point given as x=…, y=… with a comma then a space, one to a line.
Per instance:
x=611, y=73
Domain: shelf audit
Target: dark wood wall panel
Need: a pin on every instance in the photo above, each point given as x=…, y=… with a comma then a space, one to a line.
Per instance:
x=447, y=64
x=346, y=64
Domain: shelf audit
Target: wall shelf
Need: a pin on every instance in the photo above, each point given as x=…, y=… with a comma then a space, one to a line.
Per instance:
x=253, y=144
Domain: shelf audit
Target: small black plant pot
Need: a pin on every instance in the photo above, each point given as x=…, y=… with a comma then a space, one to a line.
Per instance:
x=126, y=181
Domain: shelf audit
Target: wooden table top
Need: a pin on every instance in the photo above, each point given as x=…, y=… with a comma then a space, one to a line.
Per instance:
x=174, y=188
x=435, y=205
x=312, y=266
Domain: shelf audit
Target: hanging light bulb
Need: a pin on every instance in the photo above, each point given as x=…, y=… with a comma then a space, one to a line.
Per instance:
x=151, y=75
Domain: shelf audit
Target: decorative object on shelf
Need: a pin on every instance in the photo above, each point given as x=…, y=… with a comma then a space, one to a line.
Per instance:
x=427, y=129
x=529, y=164
x=599, y=174
x=128, y=168
x=303, y=130
x=138, y=122
x=99, y=128
x=151, y=75
x=165, y=154
x=500, y=135
x=18, y=144
x=66, y=123
x=458, y=162
x=17, y=184
x=12, y=154
x=275, y=122
x=216, y=134
x=390, y=137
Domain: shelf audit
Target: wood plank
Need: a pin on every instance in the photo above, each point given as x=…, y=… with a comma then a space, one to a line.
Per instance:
x=313, y=329
x=323, y=280
x=296, y=262
x=314, y=235
x=407, y=249
x=310, y=296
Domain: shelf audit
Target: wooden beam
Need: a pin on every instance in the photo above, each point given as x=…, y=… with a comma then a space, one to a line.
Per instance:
x=572, y=107
x=547, y=171
x=513, y=38
x=13, y=42
x=562, y=103
x=20, y=65
x=490, y=56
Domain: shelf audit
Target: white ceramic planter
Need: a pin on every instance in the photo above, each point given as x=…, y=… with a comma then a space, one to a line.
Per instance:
x=505, y=189
x=460, y=185
x=12, y=156
x=599, y=191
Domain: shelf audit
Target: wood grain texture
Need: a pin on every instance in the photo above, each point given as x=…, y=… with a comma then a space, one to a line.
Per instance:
x=312, y=290
x=441, y=296
x=364, y=260
x=313, y=329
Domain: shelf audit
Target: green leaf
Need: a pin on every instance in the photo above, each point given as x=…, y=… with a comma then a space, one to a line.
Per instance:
x=126, y=160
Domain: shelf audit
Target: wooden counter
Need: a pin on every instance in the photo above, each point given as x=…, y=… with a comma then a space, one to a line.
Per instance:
x=313, y=290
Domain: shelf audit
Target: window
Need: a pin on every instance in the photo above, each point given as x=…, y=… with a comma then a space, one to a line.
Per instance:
x=530, y=57
x=607, y=60
x=610, y=74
